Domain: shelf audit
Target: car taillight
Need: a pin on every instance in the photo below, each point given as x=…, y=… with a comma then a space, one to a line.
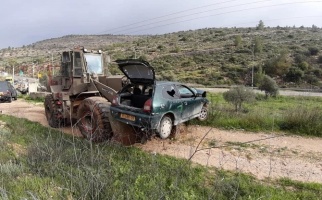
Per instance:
x=148, y=106
x=115, y=101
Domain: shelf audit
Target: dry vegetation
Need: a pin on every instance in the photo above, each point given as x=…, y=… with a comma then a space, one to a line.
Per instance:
x=212, y=56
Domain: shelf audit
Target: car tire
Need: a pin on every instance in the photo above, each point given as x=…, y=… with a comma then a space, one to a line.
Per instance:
x=203, y=113
x=93, y=119
x=10, y=99
x=165, y=127
x=51, y=112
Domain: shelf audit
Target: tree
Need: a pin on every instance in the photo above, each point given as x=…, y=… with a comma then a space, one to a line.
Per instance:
x=238, y=95
x=260, y=25
x=278, y=66
x=294, y=75
x=269, y=86
x=238, y=41
x=258, y=48
x=258, y=76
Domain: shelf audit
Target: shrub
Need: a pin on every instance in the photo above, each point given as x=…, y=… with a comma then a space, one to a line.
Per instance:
x=269, y=86
x=303, y=120
x=320, y=59
x=238, y=95
x=313, y=51
x=294, y=75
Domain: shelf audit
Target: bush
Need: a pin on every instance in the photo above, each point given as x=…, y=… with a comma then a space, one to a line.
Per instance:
x=303, y=120
x=320, y=59
x=238, y=95
x=313, y=51
x=269, y=86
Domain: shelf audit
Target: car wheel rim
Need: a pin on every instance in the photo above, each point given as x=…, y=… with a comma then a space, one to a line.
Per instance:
x=166, y=128
x=203, y=114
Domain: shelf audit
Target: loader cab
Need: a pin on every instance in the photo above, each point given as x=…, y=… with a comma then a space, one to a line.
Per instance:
x=78, y=66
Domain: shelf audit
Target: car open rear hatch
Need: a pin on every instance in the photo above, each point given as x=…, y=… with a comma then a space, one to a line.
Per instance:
x=137, y=71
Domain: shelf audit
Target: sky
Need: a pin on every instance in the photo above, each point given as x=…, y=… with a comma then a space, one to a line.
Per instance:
x=25, y=22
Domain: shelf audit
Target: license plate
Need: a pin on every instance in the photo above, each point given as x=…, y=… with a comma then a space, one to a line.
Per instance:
x=128, y=117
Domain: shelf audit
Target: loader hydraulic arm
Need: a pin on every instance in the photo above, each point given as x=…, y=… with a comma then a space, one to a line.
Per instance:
x=105, y=90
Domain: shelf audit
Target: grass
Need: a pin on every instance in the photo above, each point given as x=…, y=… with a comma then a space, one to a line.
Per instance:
x=42, y=163
x=296, y=115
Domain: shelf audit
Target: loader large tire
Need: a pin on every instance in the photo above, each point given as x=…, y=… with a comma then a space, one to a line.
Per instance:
x=93, y=119
x=51, y=112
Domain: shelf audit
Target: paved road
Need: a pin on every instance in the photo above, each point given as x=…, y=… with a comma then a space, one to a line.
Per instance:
x=281, y=92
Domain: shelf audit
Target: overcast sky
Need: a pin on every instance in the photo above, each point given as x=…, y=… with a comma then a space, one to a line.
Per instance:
x=24, y=22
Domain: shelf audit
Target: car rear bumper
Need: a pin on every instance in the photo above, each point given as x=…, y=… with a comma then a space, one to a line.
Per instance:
x=141, y=120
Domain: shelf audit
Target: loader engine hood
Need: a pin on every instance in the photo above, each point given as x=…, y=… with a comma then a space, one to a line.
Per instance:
x=137, y=71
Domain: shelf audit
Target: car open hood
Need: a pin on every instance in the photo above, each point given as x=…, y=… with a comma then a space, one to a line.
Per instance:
x=137, y=71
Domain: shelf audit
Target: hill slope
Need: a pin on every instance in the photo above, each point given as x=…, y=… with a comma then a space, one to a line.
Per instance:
x=212, y=56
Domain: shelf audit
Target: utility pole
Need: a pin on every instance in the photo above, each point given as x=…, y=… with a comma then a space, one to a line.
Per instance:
x=33, y=70
x=52, y=62
x=13, y=74
x=253, y=65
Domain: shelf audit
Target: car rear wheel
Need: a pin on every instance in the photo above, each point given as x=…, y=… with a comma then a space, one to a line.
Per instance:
x=203, y=113
x=93, y=119
x=10, y=99
x=165, y=128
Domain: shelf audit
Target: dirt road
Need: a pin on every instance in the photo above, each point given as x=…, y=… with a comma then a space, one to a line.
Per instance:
x=270, y=155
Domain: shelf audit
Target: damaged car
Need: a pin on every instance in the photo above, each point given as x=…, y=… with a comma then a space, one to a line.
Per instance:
x=155, y=105
x=7, y=92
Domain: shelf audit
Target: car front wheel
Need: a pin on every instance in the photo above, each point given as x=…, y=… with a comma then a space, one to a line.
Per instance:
x=203, y=113
x=165, y=128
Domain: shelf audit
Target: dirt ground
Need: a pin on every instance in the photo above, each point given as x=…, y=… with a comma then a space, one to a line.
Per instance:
x=271, y=155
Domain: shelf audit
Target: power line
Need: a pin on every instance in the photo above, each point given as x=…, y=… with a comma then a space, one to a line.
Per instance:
x=163, y=16
x=196, y=13
x=223, y=13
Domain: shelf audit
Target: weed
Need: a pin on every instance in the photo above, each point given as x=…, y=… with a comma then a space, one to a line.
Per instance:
x=59, y=166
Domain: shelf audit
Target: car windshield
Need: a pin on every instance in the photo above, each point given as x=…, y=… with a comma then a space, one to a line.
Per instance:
x=94, y=63
x=3, y=86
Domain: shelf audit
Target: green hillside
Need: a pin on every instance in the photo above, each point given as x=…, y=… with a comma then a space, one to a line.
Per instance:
x=211, y=56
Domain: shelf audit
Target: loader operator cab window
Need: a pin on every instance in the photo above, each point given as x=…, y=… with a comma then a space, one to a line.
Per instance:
x=94, y=63
x=77, y=64
x=66, y=64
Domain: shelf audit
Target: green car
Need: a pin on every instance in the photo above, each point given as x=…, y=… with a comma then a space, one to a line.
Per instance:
x=155, y=105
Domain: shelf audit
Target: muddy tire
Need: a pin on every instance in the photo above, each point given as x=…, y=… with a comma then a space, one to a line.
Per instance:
x=203, y=113
x=10, y=99
x=93, y=119
x=165, y=128
x=51, y=112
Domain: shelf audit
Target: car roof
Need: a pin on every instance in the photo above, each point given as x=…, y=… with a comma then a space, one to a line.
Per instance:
x=166, y=82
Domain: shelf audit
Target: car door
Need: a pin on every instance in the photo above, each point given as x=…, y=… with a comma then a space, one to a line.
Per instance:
x=169, y=101
x=188, y=101
x=14, y=92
